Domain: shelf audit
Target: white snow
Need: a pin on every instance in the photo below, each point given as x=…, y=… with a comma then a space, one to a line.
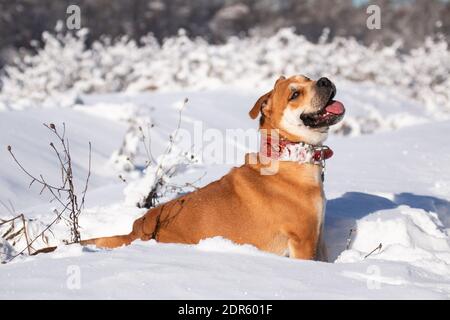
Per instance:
x=410, y=235
x=168, y=271
x=392, y=186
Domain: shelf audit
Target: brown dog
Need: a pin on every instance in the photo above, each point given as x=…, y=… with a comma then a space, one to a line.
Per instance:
x=281, y=211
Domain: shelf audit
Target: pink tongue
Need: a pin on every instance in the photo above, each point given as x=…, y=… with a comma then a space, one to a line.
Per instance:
x=335, y=108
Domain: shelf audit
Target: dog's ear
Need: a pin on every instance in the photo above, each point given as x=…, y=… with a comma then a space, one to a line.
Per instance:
x=259, y=105
x=281, y=78
x=262, y=101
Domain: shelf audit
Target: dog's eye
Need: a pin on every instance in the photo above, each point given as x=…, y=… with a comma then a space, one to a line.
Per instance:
x=294, y=95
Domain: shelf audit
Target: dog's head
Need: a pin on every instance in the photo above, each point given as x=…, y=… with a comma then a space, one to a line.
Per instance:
x=300, y=108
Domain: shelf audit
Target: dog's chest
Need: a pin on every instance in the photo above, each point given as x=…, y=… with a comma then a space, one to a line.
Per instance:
x=296, y=207
x=302, y=221
x=290, y=202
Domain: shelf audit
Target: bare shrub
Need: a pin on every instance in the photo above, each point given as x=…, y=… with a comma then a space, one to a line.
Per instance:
x=71, y=202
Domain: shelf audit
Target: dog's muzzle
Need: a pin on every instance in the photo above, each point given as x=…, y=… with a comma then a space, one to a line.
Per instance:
x=330, y=112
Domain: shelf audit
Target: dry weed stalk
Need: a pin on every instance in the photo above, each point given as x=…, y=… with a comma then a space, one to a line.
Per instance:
x=71, y=203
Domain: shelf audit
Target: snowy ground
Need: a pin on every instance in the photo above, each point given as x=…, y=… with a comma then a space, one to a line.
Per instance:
x=391, y=185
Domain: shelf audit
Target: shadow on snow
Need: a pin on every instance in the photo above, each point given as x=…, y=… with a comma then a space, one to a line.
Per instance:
x=342, y=212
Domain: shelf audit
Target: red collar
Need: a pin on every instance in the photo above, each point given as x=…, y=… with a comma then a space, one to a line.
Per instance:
x=285, y=150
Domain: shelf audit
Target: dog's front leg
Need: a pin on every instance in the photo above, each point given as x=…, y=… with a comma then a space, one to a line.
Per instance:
x=302, y=247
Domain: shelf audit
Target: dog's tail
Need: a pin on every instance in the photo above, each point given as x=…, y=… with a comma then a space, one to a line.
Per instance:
x=143, y=228
x=109, y=242
x=103, y=242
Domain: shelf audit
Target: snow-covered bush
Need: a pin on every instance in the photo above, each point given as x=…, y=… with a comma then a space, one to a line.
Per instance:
x=154, y=186
x=64, y=67
x=147, y=175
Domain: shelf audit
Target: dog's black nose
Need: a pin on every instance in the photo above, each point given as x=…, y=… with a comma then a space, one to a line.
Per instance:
x=324, y=82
